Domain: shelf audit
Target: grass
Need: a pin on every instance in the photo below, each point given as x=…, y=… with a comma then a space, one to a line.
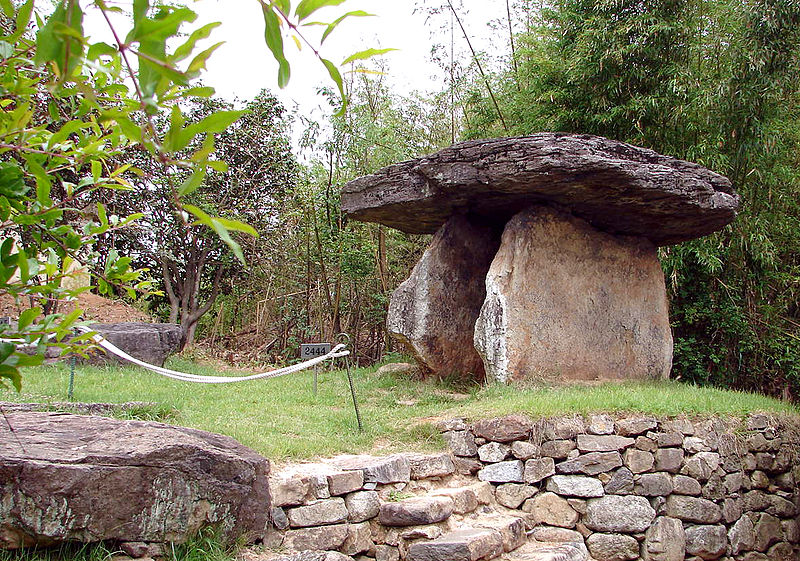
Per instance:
x=283, y=419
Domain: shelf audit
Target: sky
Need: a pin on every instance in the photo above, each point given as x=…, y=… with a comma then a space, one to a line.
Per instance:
x=243, y=65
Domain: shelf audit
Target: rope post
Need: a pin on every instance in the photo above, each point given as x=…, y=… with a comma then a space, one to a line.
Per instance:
x=316, y=374
x=345, y=338
x=71, y=377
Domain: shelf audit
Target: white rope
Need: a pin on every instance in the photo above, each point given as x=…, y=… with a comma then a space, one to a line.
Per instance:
x=335, y=352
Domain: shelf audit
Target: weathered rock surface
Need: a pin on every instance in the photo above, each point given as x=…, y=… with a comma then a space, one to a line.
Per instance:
x=617, y=187
x=463, y=545
x=150, y=342
x=565, y=301
x=416, y=511
x=72, y=477
x=619, y=513
x=433, y=312
x=665, y=540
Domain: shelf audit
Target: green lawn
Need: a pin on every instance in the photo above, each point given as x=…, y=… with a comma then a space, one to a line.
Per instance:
x=282, y=418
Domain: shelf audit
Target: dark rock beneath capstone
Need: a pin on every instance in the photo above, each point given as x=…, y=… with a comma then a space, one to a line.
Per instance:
x=433, y=312
x=67, y=477
x=617, y=187
x=149, y=342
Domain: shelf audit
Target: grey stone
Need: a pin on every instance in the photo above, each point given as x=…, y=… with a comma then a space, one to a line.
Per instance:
x=424, y=466
x=416, y=511
x=768, y=531
x=591, y=463
x=538, y=468
x=278, y=517
x=319, y=537
x=149, y=342
x=452, y=424
x=511, y=528
x=665, y=540
x=742, y=536
x=666, y=200
x=638, y=461
x=701, y=465
x=343, y=482
x=731, y=509
x=759, y=480
x=694, y=444
x=667, y=439
x=693, y=509
x=678, y=424
x=430, y=532
x=290, y=489
x=706, y=542
x=523, y=450
x=358, y=540
x=504, y=429
x=386, y=553
x=362, y=505
x=461, y=545
x=553, y=534
x=72, y=477
x=311, y=555
x=512, y=495
x=646, y=444
x=561, y=428
x=461, y=442
x=755, y=500
x=377, y=469
x=464, y=498
x=603, y=443
x=619, y=513
x=557, y=449
x=669, y=459
x=621, y=483
x=657, y=484
x=484, y=492
x=493, y=452
x=600, y=424
x=575, y=486
x=632, y=426
x=733, y=482
x=593, y=290
x=510, y=471
x=326, y=511
x=782, y=552
x=791, y=530
x=466, y=466
x=548, y=508
x=685, y=485
x=714, y=489
x=613, y=547
x=428, y=316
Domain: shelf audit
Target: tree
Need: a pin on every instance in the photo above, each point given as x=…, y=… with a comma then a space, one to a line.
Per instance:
x=67, y=114
x=712, y=82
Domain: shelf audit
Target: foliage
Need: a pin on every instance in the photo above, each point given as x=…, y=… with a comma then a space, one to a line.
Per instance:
x=711, y=82
x=70, y=107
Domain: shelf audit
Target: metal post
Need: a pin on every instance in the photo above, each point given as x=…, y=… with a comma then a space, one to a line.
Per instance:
x=316, y=372
x=345, y=338
x=71, y=377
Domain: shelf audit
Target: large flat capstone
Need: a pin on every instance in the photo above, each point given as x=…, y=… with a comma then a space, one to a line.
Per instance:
x=66, y=477
x=617, y=187
x=565, y=301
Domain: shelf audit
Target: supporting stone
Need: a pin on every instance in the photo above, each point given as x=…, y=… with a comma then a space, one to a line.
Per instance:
x=433, y=312
x=566, y=301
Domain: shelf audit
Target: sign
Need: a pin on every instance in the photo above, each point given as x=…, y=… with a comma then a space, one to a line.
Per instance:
x=314, y=350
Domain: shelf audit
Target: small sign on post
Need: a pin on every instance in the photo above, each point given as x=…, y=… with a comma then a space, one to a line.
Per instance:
x=314, y=350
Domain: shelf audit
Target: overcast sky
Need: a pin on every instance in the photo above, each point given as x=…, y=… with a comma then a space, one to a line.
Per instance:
x=243, y=65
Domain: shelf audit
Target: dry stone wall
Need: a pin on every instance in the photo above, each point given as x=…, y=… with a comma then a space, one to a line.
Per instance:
x=598, y=488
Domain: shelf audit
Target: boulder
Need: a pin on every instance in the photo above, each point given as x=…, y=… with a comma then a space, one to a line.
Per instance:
x=616, y=187
x=565, y=301
x=67, y=477
x=619, y=513
x=149, y=342
x=428, y=316
x=665, y=540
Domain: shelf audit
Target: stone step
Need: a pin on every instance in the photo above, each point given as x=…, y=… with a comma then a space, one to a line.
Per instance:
x=468, y=544
x=416, y=511
x=511, y=528
x=548, y=551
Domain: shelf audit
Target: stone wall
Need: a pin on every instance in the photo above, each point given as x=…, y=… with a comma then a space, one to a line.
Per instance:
x=602, y=488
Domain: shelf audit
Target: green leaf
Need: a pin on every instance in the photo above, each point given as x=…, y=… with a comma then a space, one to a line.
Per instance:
x=238, y=226
x=340, y=19
x=193, y=181
x=6, y=49
x=12, y=374
x=12, y=182
x=96, y=50
x=365, y=54
x=61, y=39
x=199, y=62
x=197, y=35
x=22, y=21
x=5, y=351
x=26, y=318
x=200, y=91
x=8, y=8
x=274, y=40
x=219, y=121
x=308, y=7
x=333, y=72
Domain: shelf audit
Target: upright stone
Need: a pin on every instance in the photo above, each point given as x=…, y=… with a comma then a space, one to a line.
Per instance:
x=567, y=301
x=433, y=312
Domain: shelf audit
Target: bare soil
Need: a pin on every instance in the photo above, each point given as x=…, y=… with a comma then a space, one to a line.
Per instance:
x=94, y=308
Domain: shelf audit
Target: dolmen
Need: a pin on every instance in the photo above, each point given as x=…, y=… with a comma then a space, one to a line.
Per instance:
x=543, y=264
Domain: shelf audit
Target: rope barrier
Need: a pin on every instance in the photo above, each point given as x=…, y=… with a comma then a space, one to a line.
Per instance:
x=336, y=352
